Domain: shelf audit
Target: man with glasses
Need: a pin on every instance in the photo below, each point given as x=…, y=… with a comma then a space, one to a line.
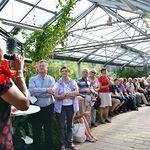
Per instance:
x=85, y=90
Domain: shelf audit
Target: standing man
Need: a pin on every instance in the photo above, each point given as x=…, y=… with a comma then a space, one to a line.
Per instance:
x=41, y=86
x=85, y=91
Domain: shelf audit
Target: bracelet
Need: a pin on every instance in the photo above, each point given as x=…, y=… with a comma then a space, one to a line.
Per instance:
x=19, y=71
x=19, y=76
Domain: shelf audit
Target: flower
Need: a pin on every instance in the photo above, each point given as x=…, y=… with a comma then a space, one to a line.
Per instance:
x=5, y=72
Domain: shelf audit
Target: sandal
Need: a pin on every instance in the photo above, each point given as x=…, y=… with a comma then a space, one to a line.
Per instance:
x=92, y=140
x=95, y=138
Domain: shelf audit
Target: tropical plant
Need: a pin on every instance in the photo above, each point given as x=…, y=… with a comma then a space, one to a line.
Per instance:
x=131, y=72
x=42, y=44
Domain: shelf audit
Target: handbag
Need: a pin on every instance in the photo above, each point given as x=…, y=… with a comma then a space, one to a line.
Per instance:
x=79, y=132
x=97, y=103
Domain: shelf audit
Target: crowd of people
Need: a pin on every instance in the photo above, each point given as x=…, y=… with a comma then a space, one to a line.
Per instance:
x=74, y=101
x=71, y=100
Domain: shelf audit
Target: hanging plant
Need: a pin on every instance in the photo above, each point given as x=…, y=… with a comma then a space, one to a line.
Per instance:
x=42, y=44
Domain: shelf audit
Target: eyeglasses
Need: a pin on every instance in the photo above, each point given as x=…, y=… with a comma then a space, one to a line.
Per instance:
x=64, y=71
x=93, y=72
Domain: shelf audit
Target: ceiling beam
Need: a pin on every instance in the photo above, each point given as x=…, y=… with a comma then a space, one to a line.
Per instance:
x=119, y=17
x=87, y=55
x=135, y=50
x=2, y=4
x=81, y=16
x=105, y=24
x=116, y=5
x=128, y=63
x=54, y=18
x=139, y=53
x=87, y=60
x=145, y=6
x=6, y=35
x=108, y=43
x=26, y=15
x=35, y=6
x=110, y=61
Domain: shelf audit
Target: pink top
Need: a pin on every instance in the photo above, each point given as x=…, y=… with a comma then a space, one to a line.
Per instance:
x=104, y=81
x=94, y=82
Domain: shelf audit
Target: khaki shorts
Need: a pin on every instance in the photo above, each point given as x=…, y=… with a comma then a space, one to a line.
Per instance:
x=115, y=101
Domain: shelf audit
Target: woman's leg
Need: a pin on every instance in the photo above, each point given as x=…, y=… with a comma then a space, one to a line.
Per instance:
x=106, y=111
x=102, y=114
x=89, y=136
x=119, y=105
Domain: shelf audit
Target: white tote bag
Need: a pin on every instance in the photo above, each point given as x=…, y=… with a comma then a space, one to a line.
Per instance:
x=79, y=132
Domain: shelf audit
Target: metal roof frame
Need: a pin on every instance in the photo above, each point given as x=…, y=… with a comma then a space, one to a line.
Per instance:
x=94, y=45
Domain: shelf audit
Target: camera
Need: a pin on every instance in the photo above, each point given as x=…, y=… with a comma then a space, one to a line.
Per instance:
x=11, y=57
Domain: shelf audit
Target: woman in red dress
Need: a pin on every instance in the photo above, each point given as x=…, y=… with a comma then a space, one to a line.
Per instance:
x=10, y=94
x=105, y=96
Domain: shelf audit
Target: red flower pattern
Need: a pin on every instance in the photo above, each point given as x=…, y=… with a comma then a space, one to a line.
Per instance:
x=9, y=136
x=5, y=72
x=5, y=131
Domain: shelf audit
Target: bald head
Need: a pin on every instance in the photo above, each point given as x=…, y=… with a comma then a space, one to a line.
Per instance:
x=85, y=72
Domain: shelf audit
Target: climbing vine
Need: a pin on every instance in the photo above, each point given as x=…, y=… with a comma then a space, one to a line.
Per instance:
x=39, y=45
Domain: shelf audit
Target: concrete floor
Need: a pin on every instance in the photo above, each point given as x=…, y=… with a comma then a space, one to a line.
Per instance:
x=128, y=131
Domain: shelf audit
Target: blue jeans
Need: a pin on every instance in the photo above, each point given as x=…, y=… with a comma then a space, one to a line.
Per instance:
x=65, y=119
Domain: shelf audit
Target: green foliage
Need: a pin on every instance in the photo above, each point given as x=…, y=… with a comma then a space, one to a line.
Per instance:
x=39, y=45
x=147, y=15
x=56, y=65
x=131, y=72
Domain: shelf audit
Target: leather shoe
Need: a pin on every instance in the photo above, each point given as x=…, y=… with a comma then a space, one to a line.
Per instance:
x=108, y=121
x=93, y=124
x=63, y=148
x=102, y=122
x=73, y=147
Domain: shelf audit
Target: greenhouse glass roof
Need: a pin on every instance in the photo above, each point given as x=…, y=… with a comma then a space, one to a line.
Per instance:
x=115, y=32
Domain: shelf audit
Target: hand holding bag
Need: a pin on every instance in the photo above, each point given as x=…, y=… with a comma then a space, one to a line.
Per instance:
x=79, y=132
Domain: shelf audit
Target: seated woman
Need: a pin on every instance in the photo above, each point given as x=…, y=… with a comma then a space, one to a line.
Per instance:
x=81, y=118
